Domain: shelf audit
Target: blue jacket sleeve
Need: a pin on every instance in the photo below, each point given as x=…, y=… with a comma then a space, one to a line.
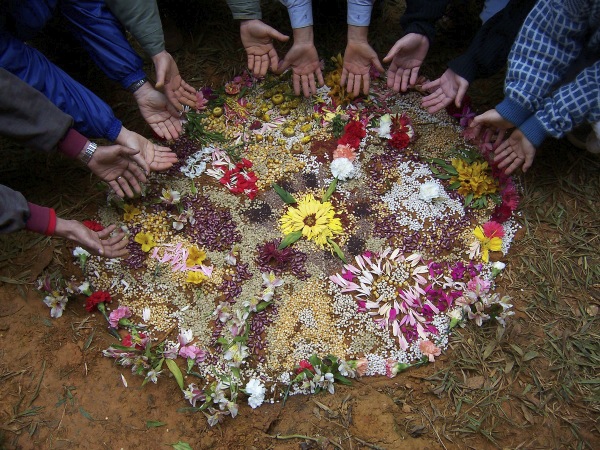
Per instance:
x=92, y=117
x=100, y=33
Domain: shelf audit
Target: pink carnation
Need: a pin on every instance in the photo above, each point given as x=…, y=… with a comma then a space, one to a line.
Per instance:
x=493, y=229
x=429, y=349
x=122, y=312
x=344, y=151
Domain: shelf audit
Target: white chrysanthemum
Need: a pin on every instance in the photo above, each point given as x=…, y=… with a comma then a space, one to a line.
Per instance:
x=255, y=388
x=429, y=191
x=342, y=168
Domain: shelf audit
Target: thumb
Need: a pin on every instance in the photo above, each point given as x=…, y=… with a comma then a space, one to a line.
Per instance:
x=375, y=61
x=393, y=51
x=128, y=151
x=160, y=78
x=284, y=64
x=273, y=33
x=462, y=90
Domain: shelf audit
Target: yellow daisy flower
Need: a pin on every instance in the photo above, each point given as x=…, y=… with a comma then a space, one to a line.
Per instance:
x=315, y=219
x=474, y=178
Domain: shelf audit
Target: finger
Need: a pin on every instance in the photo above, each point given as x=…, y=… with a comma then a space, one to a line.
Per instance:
x=251, y=63
x=132, y=180
x=414, y=74
x=264, y=65
x=462, y=90
x=304, y=81
x=430, y=85
x=356, y=88
x=311, y=84
x=398, y=80
x=375, y=62
x=366, y=83
x=320, y=79
x=115, y=187
x=528, y=162
x=189, y=90
x=172, y=128
x=156, y=127
x=344, y=77
x=440, y=105
x=186, y=98
x=405, y=80
x=103, y=234
x=283, y=66
x=273, y=33
x=125, y=186
x=393, y=51
x=173, y=98
x=431, y=98
x=296, y=83
x=350, y=83
x=141, y=162
x=137, y=172
x=273, y=59
x=118, y=239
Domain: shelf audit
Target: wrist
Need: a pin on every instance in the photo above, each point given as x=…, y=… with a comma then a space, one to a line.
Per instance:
x=88, y=152
x=358, y=34
x=304, y=35
x=136, y=86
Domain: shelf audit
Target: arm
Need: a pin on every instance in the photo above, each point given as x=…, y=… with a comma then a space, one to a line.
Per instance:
x=245, y=9
x=489, y=49
x=551, y=38
x=142, y=20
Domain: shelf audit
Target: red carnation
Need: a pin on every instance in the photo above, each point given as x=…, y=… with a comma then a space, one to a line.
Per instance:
x=126, y=342
x=95, y=299
x=304, y=364
x=93, y=225
x=399, y=140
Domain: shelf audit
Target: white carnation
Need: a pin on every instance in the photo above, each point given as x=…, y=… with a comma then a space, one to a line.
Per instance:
x=385, y=126
x=342, y=168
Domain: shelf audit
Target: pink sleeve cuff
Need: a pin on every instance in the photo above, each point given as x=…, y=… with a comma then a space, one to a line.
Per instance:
x=41, y=219
x=72, y=144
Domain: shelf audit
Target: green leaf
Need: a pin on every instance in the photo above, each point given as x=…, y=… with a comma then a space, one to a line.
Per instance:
x=194, y=189
x=289, y=239
x=86, y=414
x=181, y=446
x=154, y=424
x=330, y=190
x=337, y=250
x=285, y=195
x=454, y=185
x=314, y=360
x=174, y=368
x=342, y=379
x=262, y=305
x=468, y=199
x=443, y=176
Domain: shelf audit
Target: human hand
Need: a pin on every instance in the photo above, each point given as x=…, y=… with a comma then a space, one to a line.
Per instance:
x=304, y=61
x=178, y=92
x=121, y=167
x=157, y=157
x=446, y=89
x=406, y=56
x=358, y=59
x=517, y=151
x=157, y=112
x=99, y=243
x=490, y=119
x=257, y=39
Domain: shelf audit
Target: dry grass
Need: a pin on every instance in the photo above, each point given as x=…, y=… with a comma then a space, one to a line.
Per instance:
x=495, y=383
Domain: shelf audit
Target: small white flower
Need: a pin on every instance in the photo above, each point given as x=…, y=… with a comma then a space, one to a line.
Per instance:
x=84, y=287
x=429, y=191
x=255, y=401
x=146, y=314
x=342, y=168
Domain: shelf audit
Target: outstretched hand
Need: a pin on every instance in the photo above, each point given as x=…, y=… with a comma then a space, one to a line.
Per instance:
x=450, y=87
x=178, y=92
x=121, y=167
x=358, y=59
x=100, y=243
x=406, y=56
x=158, y=158
x=257, y=38
x=304, y=61
x=157, y=112
x=517, y=151
x=490, y=119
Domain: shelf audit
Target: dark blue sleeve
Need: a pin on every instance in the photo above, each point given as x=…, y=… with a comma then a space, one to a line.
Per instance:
x=99, y=32
x=92, y=117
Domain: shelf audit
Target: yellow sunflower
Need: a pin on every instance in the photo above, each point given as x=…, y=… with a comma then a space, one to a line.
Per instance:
x=315, y=219
x=474, y=178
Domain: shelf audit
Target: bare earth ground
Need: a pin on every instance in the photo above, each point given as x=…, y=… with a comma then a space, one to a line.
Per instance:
x=533, y=385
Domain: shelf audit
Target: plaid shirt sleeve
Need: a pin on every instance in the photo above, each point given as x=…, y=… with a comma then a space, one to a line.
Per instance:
x=551, y=38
